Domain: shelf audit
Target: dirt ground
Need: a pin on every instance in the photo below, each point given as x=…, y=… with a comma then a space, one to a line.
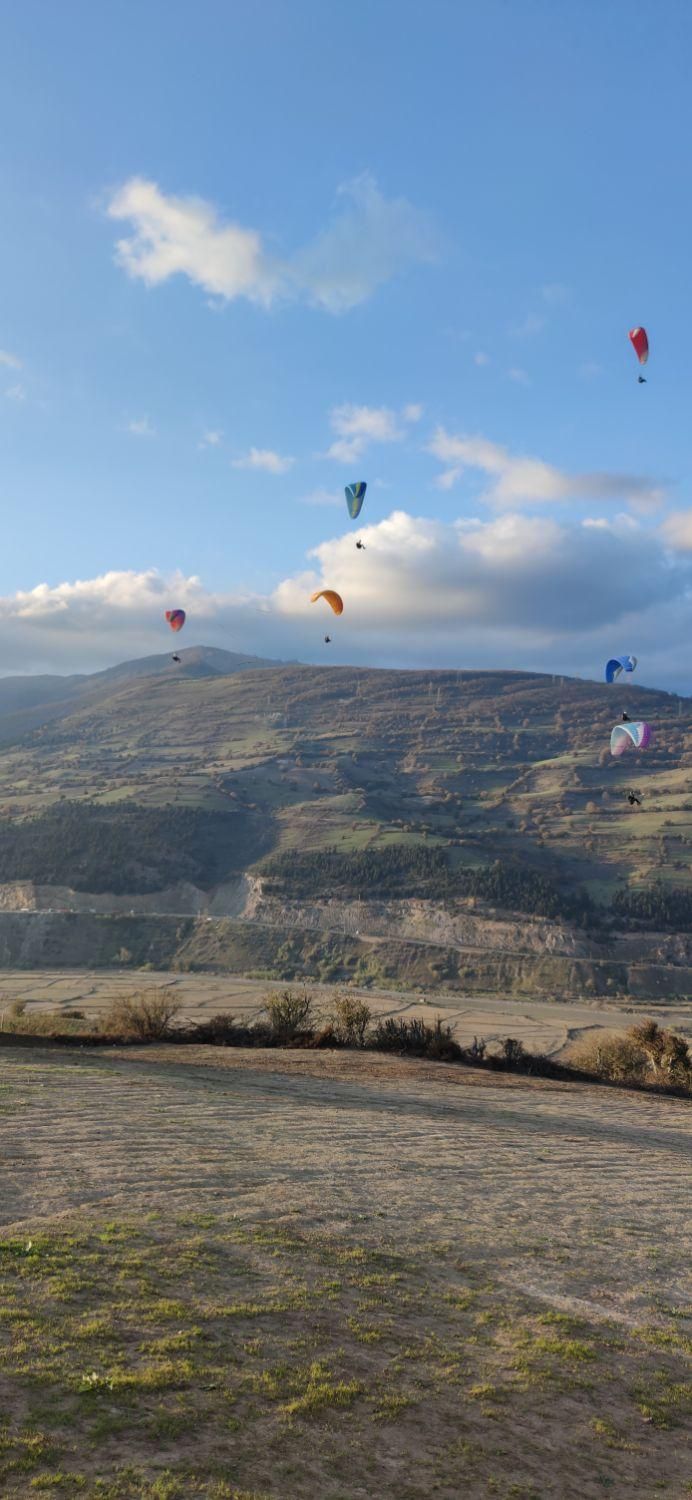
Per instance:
x=542, y=1026
x=518, y=1324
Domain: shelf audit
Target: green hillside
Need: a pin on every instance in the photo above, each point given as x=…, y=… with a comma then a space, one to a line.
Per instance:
x=477, y=768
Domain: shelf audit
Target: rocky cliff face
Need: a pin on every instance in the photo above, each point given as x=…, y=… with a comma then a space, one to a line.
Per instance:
x=414, y=945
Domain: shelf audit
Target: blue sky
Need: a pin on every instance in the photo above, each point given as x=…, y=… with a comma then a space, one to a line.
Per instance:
x=238, y=235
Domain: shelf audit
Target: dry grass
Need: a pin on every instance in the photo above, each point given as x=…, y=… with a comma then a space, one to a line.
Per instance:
x=379, y=1277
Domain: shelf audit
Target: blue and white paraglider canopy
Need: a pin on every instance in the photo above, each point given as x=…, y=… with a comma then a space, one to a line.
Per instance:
x=618, y=664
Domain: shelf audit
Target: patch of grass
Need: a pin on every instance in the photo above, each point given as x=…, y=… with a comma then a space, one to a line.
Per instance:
x=321, y=1394
x=391, y=1406
x=365, y=1333
x=662, y=1400
x=275, y=1328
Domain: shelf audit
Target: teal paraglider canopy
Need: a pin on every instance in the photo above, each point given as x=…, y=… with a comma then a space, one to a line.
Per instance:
x=355, y=495
x=618, y=664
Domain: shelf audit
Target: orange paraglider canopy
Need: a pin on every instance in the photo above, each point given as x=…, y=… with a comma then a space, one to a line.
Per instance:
x=176, y=618
x=333, y=599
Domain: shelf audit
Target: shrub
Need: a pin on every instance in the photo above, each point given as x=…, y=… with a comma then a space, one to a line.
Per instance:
x=416, y=1038
x=644, y=1054
x=513, y=1052
x=290, y=1012
x=145, y=1016
x=219, y=1030
x=351, y=1020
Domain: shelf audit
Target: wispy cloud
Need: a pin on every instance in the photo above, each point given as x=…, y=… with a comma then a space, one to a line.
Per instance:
x=356, y=427
x=555, y=294
x=330, y=498
x=211, y=439
x=11, y=361
x=141, y=427
x=676, y=530
x=527, y=327
x=519, y=480
x=481, y=359
x=266, y=459
x=16, y=392
x=370, y=240
x=589, y=370
x=519, y=376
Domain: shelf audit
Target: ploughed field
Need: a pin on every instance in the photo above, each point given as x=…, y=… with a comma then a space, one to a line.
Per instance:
x=228, y=1273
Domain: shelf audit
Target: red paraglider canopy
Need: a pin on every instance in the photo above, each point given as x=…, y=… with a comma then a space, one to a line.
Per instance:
x=640, y=344
x=176, y=618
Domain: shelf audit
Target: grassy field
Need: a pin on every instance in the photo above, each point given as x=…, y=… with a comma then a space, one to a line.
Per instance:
x=337, y=1277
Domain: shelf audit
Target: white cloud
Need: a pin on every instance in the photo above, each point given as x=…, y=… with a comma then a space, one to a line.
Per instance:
x=519, y=480
x=141, y=427
x=513, y=572
x=677, y=530
x=322, y=497
x=16, y=392
x=358, y=426
x=370, y=240
x=212, y=439
x=185, y=236
x=11, y=361
x=513, y=591
x=264, y=458
x=519, y=376
x=481, y=359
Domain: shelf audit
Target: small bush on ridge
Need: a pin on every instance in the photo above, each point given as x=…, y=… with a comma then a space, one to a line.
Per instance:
x=351, y=1020
x=290, y=1012
x=646, y=1053
x=145, y=1016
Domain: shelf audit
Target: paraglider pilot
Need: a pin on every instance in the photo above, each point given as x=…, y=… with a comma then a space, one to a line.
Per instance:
x=631, y=798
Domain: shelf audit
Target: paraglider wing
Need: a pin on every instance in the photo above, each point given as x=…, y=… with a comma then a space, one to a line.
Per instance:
x=640, y=344
x=333, y=599
x=630, y=736
x=355, y=495
x=618, y=664
x=176, y=618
